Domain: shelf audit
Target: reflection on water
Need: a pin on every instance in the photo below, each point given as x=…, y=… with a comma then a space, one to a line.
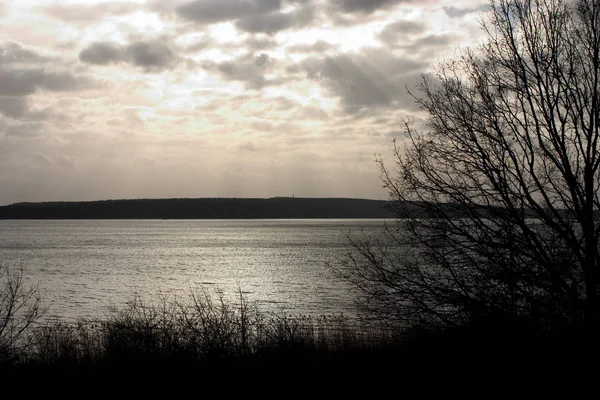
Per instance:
x=81, y=267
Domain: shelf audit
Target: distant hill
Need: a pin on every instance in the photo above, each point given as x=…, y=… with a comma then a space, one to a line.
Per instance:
x=204, y=208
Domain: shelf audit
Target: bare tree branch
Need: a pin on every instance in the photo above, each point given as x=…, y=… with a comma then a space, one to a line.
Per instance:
x=497, y=193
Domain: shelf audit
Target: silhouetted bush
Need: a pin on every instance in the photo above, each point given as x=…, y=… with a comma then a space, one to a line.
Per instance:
x=204, y=330
x=19, y=310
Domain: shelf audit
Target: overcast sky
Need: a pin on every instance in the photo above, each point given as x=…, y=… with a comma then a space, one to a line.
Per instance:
x=212, y=98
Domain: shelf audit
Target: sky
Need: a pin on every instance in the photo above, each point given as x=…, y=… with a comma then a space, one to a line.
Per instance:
x=213, y=98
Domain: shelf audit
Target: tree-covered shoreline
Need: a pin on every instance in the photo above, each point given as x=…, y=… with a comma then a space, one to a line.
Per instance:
x=202, y=208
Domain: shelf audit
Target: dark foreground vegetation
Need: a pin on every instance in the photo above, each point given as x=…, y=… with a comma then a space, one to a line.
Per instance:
x=512, y=126
x=211, y=340
x=205, y=334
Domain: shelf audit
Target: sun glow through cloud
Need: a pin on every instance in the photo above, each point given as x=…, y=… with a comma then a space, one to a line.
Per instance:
x=202, y=98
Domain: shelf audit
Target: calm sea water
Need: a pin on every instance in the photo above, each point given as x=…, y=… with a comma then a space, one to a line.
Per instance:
x=83, y=267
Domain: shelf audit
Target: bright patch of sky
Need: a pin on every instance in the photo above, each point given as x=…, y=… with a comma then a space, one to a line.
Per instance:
x=206, y=98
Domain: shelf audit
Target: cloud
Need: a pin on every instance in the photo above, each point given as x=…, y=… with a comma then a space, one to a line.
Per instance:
x=306, y=101
x=102, y=53
x=152, y=56
x=430, y=44
x=254, y=16
x=454, y=12
x=372, y=78
x=250, y=69
x=392, y=33
x=66, y=161
x=41, y=159
x=319, y=46
x=86, y=13
x=258, y=43
x=14, y=52
x=26, y=129
x=23, y=71
x=313, y=113
x=276, y=21
x=248, y=146
x=23, y=82
x=13, y=107
x=366, y=6
x=212, y=11
x=198, y=45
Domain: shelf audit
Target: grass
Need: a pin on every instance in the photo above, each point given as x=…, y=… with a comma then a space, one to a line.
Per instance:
x=201, y=334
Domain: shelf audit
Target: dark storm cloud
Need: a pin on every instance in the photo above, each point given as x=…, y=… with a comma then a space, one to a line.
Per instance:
x=392, y=33
x=149, y=55
x=89, y=13
x=366, y=6
x=276, y=21
x=23, y=72
x=212, y=11
x=372, y=78
x=22, y=82
x=13, y=52
x=13, y=107
x=250, y=69
x=102, y=53
x=60, y=81
x=254, y=16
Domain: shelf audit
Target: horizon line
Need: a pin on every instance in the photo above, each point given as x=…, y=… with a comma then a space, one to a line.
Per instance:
x=188, y=198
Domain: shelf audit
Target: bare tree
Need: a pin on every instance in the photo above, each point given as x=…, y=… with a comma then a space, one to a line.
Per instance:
x=497, y=192
x=19, y=309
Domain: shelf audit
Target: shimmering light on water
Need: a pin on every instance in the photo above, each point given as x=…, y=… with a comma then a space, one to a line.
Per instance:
x=82, y=267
